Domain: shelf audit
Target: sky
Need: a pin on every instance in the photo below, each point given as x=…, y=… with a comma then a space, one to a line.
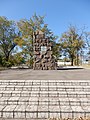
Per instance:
x=59, y=14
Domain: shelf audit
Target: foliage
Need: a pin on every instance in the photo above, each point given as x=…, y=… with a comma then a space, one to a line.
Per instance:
x=22, y=33
x=18, y=59
x=27, y=29
x=0, y=60
x=56, y=50
x=87, y=38
x=7, y=36
x=71, y=42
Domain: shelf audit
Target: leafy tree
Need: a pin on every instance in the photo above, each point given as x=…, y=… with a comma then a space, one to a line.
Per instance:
x=56, y=50
x=28, y=27
x=7, y=35
x=87, y=38
x=71, y=42
x=0, y=60
x=18, y=59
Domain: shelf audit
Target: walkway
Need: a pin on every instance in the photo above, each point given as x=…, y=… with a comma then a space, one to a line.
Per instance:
x=27, y=74
x=44, y=99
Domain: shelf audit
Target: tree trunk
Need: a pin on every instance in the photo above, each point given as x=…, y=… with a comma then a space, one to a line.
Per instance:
x=7, y=57
x=72, y=61
x=77, y=59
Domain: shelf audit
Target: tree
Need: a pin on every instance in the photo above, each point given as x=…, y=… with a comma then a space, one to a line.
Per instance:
x=28, y=27
x=0, y=59
x=18, y=59
x=7, y=35
x=71, y=42
x=87, y=38
x=56, y=50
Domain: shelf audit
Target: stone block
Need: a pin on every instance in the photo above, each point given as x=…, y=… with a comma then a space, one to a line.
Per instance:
x=44, y=55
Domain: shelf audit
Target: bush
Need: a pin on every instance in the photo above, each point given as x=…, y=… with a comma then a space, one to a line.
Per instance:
x=7, y=64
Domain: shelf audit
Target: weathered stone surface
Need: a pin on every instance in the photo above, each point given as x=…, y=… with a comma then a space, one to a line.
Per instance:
x=43, y=58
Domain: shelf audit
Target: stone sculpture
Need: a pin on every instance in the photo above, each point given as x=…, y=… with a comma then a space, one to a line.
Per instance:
x=42, y=48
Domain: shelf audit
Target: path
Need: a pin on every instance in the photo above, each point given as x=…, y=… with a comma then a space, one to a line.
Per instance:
x=27, y=74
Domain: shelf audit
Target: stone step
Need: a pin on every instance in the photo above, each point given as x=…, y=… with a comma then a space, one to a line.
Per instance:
x=44, y=99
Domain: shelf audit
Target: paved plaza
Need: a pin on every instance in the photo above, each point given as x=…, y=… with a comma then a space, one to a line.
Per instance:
x=33, y=95
x=27, y=74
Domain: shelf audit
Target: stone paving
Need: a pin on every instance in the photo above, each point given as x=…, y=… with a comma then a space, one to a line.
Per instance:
x=29, y=74
x=44, y=99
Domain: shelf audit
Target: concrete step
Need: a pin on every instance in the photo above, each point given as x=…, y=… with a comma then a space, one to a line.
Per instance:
x=41, y=99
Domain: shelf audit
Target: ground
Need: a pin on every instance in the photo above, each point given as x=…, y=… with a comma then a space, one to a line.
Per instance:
x=43, y=99
x=29, y=74
x=38, y=95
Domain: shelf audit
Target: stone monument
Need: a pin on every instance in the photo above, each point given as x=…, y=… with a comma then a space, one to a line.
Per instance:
x=42, y=48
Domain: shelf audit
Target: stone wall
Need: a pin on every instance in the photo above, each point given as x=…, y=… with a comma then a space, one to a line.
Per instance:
x=43, y=58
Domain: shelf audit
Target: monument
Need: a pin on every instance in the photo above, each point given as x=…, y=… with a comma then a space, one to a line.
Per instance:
x=42, y=48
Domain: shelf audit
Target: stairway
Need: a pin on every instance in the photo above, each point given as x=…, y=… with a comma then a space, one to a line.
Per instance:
x=43, y=99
